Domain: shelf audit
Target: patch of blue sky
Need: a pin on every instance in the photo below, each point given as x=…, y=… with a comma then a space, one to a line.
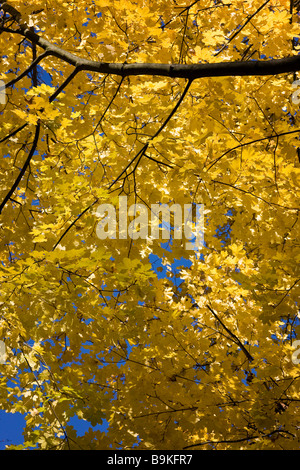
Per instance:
x=11, y=429
x=246, y=381
x=35, y=202
x=82, y=426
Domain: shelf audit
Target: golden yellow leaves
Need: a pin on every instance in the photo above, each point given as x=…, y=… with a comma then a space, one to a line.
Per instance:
x=44, y=90
x=152, y=344
x=104, y=3
x=38, y=106
x=237, y=250
x=213, y=37
x=202, y=54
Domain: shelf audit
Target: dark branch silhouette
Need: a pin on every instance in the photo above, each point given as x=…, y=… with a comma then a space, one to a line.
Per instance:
x=24, y=168
x=188, y=71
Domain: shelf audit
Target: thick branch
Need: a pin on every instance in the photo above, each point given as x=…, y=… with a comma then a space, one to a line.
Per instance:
x=189, y=72
x=63, y=85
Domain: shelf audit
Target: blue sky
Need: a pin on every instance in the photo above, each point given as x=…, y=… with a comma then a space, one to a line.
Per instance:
x=11, y=427
x=12, y=424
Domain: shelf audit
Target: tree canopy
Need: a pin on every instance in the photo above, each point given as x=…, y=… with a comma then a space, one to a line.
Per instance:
x=164, y=102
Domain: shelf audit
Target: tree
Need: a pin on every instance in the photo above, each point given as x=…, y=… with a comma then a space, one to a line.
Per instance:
x=163, y=102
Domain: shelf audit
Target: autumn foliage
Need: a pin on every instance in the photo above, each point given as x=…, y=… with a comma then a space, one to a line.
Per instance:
x=175, y=349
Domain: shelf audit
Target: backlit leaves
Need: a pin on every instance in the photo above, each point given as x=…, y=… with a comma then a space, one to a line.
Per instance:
x=174, y=349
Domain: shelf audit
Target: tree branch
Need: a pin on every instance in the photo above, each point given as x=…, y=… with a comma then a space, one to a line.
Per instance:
x=249, y=438
x=74, y=222
x=63, y=85
x=27, y=71
x=269, y=137
x=24, y=168
x=271, y=204
x=146, y=145
x=11, y=134
x=242, y=27
x=233, y=336
x=188, y=71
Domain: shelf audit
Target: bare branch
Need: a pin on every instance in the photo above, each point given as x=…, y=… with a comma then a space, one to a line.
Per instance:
x=271, y=204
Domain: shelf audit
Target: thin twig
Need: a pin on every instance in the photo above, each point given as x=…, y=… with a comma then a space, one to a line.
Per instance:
x=233, y=336
x=242, y=27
